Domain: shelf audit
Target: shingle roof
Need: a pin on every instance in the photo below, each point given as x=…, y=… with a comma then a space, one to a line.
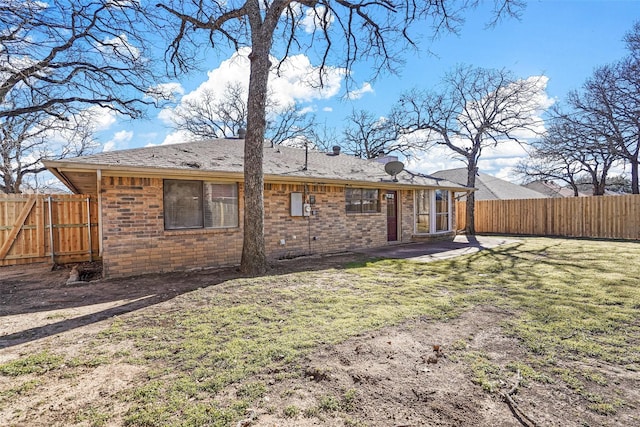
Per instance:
x=551, y=189
x=227, y=156
x=489, y=187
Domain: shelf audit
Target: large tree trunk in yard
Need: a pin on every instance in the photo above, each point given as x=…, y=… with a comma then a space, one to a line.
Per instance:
x=254, y=261
x=471, y=201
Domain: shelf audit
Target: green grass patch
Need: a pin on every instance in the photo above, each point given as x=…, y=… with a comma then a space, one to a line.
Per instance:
x=574, y=298
x=38, y=363
x=574, y=301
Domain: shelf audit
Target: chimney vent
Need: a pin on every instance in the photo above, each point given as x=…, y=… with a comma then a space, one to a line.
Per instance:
x=242, y=132
x=336, y=150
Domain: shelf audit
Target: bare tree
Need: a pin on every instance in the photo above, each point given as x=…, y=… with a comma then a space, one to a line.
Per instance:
x=61, y=56
x=547, y=164
x=27, y=139
x=212, y=115
x=323, y=137
x=368, y=136
x=289, y=126
x=209, y=117
x=58, y=58
x=353, y=30
x=571, y=150
x=476, y=109
x=610, y=99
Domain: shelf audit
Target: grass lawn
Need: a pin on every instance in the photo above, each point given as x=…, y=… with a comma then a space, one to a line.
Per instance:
x=576, y=304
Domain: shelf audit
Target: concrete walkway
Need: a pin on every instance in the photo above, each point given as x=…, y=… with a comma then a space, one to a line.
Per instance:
x=433, y=251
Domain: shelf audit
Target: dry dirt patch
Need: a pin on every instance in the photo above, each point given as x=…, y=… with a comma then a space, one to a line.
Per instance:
x=386, y=377
x=396, y=379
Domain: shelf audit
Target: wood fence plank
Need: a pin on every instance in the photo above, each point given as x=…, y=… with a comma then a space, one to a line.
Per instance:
x=4, y=250
x=611, y=217
x=32, y=243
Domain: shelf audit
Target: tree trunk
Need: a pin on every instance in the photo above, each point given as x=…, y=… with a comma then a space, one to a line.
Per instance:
x=470, y=228
x=576, y=193
x=254, y=261
x=635, y=188
x=599, y=187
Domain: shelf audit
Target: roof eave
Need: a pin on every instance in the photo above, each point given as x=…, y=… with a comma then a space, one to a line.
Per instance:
x=60, y=175
x=59, y=166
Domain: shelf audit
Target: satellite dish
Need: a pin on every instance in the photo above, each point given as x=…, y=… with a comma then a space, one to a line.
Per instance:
x=393, y=169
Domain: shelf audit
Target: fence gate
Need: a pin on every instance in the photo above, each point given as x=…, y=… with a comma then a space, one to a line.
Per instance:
x=58, y=228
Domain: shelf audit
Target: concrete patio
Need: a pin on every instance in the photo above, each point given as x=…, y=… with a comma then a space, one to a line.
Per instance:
x=433, y=251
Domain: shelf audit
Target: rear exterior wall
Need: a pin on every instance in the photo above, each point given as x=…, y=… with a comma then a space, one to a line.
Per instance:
x=134, y=240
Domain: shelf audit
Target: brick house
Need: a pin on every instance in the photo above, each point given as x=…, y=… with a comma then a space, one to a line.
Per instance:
x=180, y=207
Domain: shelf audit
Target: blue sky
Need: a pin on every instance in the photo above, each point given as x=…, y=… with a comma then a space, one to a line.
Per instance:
x=563, y=40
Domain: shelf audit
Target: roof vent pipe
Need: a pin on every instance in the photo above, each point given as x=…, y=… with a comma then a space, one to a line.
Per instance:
x=336, y=150
x=242, y=132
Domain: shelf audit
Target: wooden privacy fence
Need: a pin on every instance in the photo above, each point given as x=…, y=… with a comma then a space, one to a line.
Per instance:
x=610, y=217
x=56, y=228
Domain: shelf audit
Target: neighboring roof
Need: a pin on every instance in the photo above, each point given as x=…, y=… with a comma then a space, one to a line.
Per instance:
x=489, y=187
x=225, y=158
x=551, y=189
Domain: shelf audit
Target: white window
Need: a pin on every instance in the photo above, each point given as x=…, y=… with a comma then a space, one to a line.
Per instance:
x=442, y=210
x=199, y=204
x=432, y=211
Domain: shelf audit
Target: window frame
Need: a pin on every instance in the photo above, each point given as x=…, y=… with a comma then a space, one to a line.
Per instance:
x=205, y=210
x=361, y=201
x=434, y=214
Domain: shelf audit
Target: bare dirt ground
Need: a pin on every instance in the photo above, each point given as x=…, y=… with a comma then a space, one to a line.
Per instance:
x=400, y=379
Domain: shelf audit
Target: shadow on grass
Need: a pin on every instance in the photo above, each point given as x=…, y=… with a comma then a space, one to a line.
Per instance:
x=31, y=296
x=135, y=293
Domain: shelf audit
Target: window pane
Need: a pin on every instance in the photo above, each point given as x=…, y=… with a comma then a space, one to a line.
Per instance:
x=423, y=209
x=353, y=200
x=221, y=205
x=370, y=202
x=182, y=204
x=370, y=205
x=442, y=201
x=369, y=194
x=353, y=207
x=442, y=222
x=422, y=201
x=442, y=210
x=359, y=200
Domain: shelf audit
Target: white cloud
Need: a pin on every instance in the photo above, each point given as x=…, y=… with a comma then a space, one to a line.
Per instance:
x=327, y=109
x=433, y=160
x=177, y=137
x=528, y=111
x=119, y=47
x=119, y=141
x=296, y=81
x=306, y=110
x=166, y=91
x=316, y=18
x=101, y=118
x=359, y=93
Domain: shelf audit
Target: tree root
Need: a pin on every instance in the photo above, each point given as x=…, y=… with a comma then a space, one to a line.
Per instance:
x=515, y=409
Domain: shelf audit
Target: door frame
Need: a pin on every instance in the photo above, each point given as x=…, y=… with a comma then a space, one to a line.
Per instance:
x=392, y=232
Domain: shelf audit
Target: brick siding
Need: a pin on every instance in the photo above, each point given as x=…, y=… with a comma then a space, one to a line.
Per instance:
x=328, y=229
x=135, y=241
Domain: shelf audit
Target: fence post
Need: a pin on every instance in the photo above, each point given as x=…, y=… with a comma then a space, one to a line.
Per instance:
x=89, y=228
x=53, y=254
